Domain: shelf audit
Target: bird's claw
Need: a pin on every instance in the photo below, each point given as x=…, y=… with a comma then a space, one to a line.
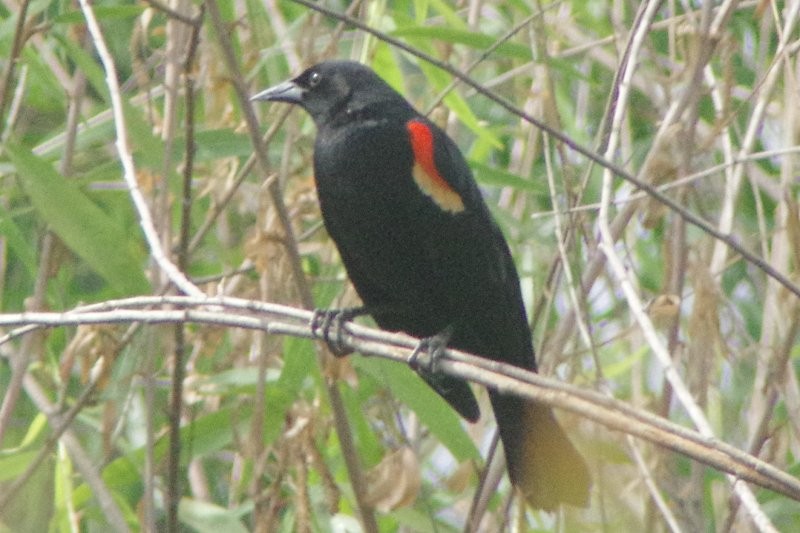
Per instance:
x=329, y=325
x=435, y=346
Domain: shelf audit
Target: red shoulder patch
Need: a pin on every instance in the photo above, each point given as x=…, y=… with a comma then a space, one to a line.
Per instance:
x=426, y=175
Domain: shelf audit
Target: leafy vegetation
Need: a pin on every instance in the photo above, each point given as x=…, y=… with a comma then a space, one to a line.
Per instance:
x=698, y=105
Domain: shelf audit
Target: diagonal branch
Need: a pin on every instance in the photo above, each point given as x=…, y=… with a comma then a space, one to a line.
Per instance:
x=282, y=320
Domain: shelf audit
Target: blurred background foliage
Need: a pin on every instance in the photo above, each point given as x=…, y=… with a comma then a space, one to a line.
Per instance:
x=69, y=235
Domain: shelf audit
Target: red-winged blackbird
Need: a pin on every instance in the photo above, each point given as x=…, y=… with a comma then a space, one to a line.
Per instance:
x=425, y=255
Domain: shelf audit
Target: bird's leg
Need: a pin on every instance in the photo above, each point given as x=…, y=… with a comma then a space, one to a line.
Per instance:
x=435, y=346
x=330, y=325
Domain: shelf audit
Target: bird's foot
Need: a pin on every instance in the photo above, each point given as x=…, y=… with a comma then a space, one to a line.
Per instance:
x=435, y=347
x=328, y=324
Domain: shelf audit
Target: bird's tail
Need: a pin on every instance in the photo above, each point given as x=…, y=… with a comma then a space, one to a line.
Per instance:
x=542, y=462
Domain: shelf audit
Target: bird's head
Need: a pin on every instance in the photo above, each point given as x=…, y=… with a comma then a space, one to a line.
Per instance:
x=334, y=89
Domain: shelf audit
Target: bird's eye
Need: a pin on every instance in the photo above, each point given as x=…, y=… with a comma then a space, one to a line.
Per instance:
x=314, y=79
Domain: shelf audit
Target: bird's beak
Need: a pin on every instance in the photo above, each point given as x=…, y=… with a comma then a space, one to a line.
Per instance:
x=287, y=91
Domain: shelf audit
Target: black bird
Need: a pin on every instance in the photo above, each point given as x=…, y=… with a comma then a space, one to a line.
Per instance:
x=426, y=256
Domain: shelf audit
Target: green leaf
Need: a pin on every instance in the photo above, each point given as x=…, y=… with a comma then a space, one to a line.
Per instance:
x=479, y=41
x=35, y=430
x=232, y=381
x=15, y=464
x=203, y=436
x=75, y=16
x=121, y=476
x=445, y=9
x=369, y=447
x=208, y=518
x=622, y=367
x=87, y=63
x=85, y=228
x=216, y=144
x=147, y=148
x=209, y=433
x=431, y=408
x=386, y=66
x=17, y=241
x=299, y=364
x=458, y=105
x=62, y=488
x=496, y=177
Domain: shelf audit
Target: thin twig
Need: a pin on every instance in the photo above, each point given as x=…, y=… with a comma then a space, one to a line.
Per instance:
x=283, y=320
x=753, y=127
x=123, y=150
x=341, y=423
x=219, y=207
x=631, y=294
x=178, y=367
x=82, y=461
x=20, y=35
x=60, y=423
